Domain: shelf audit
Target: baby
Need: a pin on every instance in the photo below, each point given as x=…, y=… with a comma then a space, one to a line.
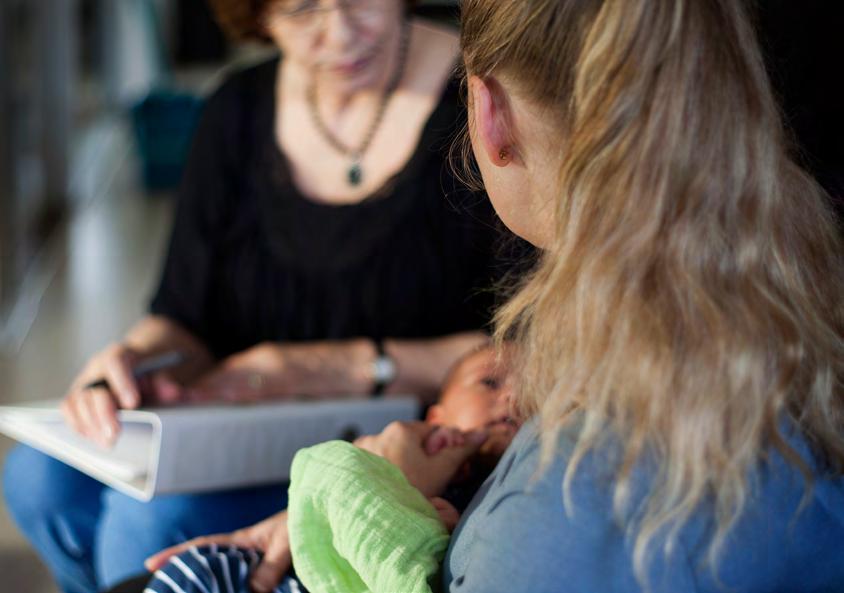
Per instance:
x=475, y=395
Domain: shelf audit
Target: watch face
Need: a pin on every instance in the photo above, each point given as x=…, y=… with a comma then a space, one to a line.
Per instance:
x=384, y=369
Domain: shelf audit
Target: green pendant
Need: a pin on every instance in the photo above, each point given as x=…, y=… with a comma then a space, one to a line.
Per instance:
x=355, y=174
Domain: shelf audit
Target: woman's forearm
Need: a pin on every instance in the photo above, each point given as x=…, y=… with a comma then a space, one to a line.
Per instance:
x=332, y=368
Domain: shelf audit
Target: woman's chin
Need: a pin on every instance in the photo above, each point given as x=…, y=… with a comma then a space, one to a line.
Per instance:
x=368, y=69
x=350, y=79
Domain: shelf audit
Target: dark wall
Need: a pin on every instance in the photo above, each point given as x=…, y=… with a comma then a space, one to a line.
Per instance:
x=198, y=38
x=803, y=42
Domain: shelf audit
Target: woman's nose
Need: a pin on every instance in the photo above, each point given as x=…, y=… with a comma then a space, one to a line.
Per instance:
x=338, y=28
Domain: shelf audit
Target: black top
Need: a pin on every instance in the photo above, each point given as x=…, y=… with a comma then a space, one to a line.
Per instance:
x=252, y=259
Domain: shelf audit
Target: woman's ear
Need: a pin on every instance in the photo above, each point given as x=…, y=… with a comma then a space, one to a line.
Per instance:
x=492, y=120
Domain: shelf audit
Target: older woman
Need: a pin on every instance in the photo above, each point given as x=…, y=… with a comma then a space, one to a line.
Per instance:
x=681, y=339
x=314, y=253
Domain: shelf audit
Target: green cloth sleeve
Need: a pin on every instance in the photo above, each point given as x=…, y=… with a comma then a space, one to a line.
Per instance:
x=358, y=526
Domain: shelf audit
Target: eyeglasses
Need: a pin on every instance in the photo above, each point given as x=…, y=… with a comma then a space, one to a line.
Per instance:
x=311, y=13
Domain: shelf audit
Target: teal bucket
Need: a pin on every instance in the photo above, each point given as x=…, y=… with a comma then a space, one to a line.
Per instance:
x=164, y=123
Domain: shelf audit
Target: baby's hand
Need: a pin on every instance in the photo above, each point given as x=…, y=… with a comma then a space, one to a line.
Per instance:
x=448, y=514
x=443, y=437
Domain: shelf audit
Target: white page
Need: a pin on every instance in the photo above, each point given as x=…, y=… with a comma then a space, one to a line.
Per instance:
x=127, y=460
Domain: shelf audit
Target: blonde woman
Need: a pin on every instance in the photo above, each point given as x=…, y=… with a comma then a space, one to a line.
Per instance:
x=681, y=339
x=682, y=336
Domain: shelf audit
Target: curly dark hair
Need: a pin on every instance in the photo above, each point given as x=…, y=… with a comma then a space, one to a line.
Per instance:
x=241, y=19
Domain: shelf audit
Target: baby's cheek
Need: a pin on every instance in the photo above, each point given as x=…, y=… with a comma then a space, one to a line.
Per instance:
x=474, y=419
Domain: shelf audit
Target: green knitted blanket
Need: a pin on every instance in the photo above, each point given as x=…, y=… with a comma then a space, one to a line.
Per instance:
x=357, y=525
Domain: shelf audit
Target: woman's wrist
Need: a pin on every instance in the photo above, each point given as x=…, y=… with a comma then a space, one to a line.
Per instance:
x=362, y=358
x=423, y=364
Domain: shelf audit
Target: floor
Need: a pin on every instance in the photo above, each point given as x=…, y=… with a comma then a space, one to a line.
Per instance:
x=94, y=279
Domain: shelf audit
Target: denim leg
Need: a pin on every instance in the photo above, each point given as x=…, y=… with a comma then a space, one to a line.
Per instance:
x=57, y=508
x=131, y=530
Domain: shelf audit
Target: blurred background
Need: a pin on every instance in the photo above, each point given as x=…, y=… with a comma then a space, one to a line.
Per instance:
x=98, y=99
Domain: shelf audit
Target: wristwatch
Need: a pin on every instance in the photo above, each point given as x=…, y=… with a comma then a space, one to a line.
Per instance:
x=384, y=369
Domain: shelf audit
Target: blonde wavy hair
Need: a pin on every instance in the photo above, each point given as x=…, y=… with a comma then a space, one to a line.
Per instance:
x=690, y=304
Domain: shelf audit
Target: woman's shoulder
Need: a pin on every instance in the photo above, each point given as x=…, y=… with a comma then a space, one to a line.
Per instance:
x=240, y=84
x=441, y=42
x=236, y=111
x=432, y=62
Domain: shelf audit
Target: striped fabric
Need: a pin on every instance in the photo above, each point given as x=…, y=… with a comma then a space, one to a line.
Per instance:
x=213, y=569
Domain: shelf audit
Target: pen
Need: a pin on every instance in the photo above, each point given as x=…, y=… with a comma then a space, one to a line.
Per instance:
x=147, y=366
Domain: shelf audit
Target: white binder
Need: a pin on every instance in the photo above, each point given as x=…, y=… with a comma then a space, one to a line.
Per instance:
x=201, y=448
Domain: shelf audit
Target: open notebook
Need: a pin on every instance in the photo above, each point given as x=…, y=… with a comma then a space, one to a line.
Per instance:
x=201, y=448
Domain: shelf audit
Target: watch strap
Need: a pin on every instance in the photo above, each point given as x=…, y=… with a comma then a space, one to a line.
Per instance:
x=383, y=369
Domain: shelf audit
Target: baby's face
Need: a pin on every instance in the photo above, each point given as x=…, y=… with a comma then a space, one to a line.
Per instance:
x=478, y=396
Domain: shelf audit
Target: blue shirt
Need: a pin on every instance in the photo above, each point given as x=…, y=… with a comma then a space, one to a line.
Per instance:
x=517, y=536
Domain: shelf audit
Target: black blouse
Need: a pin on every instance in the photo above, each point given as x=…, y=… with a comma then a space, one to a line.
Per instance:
x=252, y=259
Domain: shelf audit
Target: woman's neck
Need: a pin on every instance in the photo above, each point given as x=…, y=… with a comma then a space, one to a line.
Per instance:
x=322, y=172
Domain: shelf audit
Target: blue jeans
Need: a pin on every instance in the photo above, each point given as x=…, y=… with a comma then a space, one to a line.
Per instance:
x=93, y=537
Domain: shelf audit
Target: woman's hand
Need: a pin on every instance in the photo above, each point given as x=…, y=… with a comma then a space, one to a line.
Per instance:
x=93, y=412
x=274, y=370
x=269, y=536
x=403, y=444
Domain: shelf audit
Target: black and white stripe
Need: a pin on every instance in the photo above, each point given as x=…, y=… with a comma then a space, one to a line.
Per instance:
x=213, y=569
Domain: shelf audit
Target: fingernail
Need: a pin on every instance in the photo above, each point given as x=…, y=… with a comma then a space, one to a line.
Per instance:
x=259, y=587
